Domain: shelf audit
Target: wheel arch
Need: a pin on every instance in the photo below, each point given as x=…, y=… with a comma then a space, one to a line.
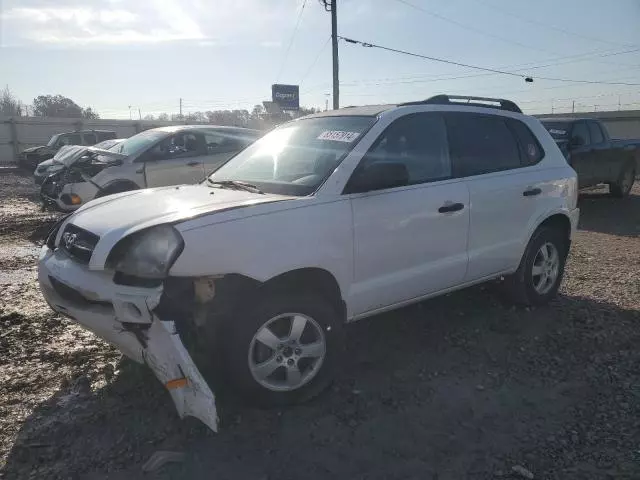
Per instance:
x=117, y=186
x=312, y=279
x=559, y=221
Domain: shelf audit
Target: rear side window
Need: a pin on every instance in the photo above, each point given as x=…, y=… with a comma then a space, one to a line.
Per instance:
x=90, y=139
x=481, y=144
x=581, y=131
x=222, y=142
x=596, y=133
x=530, y=150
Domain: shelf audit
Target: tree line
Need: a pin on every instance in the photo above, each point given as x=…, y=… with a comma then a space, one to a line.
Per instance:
x=44, y=106
x=61, y=106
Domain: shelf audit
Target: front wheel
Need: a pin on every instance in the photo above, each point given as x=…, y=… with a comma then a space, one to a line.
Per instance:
x=539, y=275
x=621, y=187
x=284, y=350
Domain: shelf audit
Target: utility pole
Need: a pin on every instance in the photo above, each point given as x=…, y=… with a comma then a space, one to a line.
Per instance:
x=331, y=6
x=139, y=114
x=573, y=107
x=619, y=106
x=130, y=117
x=181, y=108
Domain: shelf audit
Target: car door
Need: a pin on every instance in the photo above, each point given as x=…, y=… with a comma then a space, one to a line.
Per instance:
x=220, y=146
x=504, y=194
x=582, y=157
x=178, y=159
x=409, y=240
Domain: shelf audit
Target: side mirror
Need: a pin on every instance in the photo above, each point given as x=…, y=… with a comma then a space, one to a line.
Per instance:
x=576, y=141
x=379, y=176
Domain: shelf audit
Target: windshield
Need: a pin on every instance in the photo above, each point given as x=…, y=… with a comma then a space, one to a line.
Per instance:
x=140, y=142
x=558, y=130
x=296, y=158
x=52, y=141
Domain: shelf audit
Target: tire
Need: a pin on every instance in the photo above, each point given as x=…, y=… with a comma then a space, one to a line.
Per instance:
x=243, y=352
x=621, y=187
x=523, y=287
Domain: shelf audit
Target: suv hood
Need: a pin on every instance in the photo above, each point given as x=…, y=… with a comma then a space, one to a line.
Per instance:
x=115, y=216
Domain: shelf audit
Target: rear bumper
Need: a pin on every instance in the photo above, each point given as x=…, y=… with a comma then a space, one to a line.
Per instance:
x=123, y=316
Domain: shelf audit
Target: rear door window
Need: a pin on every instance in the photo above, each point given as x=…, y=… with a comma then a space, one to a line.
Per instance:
x=90, y=139
x=222, y=142
x=580, y=130
x=481, y=144
x=596, y=133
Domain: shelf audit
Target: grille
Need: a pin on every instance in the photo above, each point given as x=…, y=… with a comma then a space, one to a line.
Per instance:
x=78, y=243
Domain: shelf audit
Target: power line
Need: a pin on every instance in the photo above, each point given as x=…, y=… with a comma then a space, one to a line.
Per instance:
x=293, y=36
x=313, y=64
x=470, y=27
x=548, y=26
x=473, y=28
x=530, y=65
x=426, y=57
x=475, y=67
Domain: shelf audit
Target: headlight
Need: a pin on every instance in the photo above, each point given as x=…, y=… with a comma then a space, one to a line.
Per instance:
x=147, y=254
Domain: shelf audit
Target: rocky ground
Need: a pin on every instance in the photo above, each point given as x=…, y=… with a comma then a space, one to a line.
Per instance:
x=463, y=386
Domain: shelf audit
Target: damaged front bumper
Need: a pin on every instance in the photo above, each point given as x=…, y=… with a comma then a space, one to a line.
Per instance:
x=124, y=317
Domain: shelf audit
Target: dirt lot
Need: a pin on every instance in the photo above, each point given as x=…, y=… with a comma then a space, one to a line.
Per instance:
x=463, y=386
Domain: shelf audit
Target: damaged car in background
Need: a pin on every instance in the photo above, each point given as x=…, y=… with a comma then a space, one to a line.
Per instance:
x=327, y=219
x=153, y=158
x=48, y=167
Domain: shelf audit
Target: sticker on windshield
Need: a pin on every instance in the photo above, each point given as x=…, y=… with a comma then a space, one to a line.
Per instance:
x=554, y=131
x=338, y=136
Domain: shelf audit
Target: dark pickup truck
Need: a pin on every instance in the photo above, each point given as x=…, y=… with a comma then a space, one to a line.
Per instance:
x=594, y=156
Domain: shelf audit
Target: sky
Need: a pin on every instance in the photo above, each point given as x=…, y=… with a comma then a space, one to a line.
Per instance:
x=225, y=54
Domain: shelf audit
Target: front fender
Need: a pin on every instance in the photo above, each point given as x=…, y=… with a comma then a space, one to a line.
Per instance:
x=263, y=246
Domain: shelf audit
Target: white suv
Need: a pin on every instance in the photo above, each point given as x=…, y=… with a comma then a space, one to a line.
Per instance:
x=328, y=219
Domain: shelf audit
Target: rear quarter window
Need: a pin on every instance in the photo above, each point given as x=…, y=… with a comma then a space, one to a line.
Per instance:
x=481, y=144
x=531, y=151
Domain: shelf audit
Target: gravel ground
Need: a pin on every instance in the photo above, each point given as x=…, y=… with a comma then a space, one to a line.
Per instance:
x=463, y=386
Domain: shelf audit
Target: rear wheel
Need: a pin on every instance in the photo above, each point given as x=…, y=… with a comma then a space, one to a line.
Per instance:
x=539, y=275
x=284, y=350
x=621, y=187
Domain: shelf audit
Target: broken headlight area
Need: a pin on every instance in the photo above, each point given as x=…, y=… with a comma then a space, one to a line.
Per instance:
x=148, y=254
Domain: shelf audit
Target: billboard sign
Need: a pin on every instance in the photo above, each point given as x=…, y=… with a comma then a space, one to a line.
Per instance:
x=287, y=96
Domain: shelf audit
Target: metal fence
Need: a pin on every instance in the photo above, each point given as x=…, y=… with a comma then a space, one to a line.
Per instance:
x=19, y=133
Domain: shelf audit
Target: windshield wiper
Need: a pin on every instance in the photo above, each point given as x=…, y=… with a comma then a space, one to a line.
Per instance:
x=235, y=185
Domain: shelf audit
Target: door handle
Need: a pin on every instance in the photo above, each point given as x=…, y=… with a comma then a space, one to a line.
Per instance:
x=193, y=163
x=451, y=207
x=532, y=192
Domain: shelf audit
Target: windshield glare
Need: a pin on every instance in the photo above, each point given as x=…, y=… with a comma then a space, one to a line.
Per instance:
x=296, y=158
x=139, y=142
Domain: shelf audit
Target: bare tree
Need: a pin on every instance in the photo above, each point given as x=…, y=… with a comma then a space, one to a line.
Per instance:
x=9, y=104
x=164, y=117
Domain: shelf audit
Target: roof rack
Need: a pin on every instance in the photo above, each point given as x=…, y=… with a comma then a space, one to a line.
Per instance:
x=502, y=104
